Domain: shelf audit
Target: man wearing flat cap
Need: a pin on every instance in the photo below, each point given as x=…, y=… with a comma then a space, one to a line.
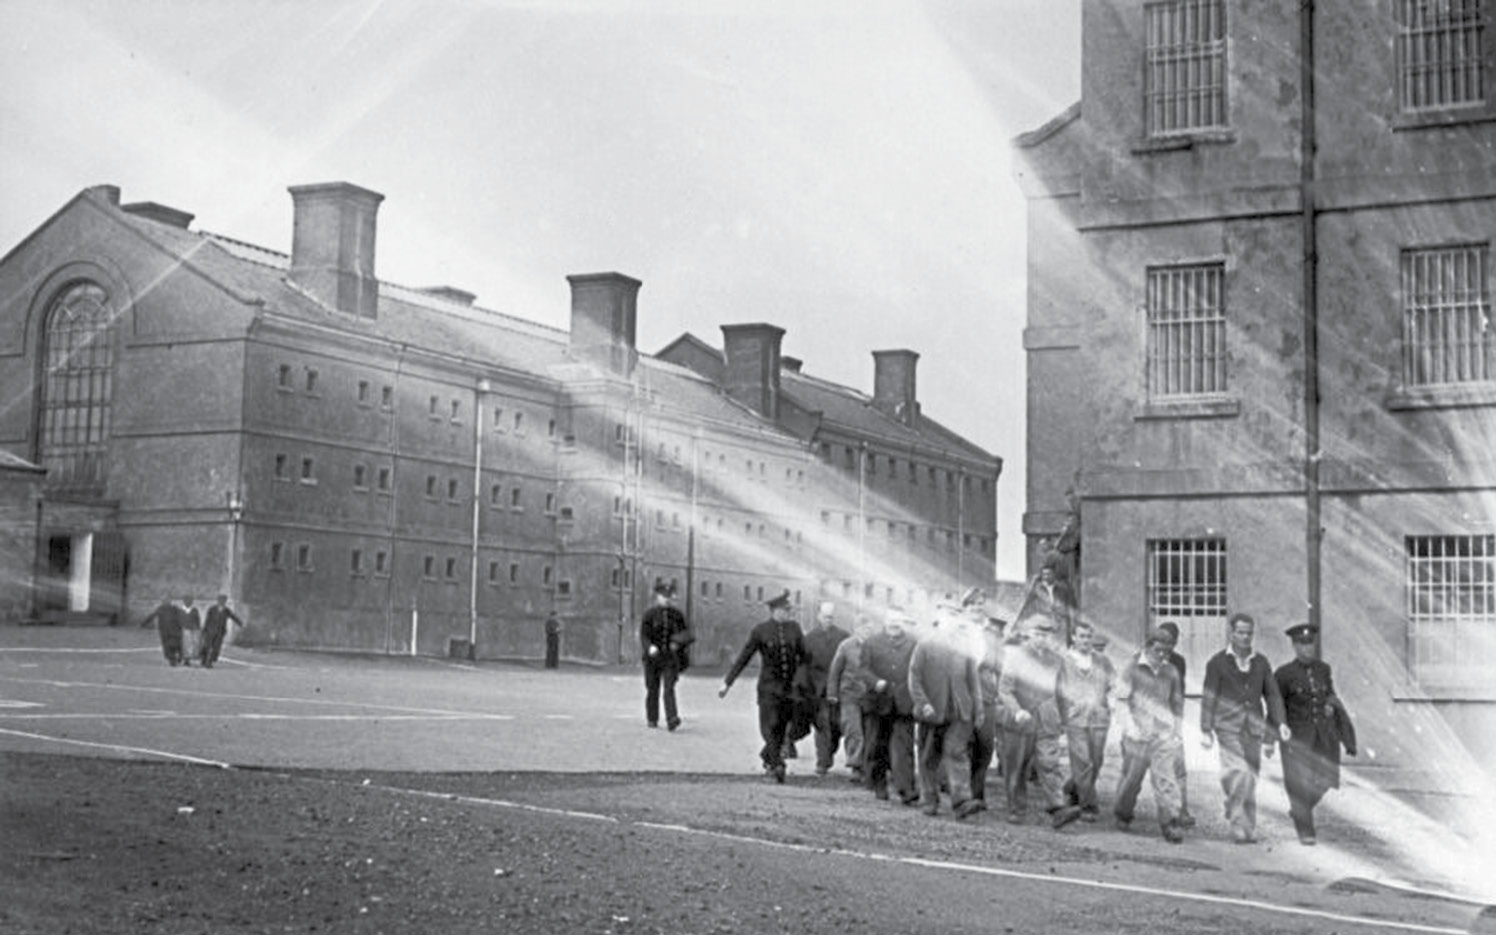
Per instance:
x=1318, y=725
x=780, y=645
x=663, y=638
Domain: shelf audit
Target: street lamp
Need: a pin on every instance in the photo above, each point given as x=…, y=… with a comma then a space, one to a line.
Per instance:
x=235, y=503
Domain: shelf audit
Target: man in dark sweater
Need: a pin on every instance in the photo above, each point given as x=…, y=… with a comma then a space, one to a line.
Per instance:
x=1239, y=705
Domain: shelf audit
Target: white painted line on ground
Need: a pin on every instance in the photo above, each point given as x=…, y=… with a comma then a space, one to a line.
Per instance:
x=71, y=650
x=560, y=717
x=1179, y=895
x=13, y=703
x=245, y=716
x=117, y=747
x=195, y=693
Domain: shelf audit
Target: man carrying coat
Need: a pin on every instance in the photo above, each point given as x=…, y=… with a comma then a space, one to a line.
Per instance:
x=780, y=645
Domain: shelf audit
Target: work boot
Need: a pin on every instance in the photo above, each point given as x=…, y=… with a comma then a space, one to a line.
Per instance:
x=1171, y=831
x=1063, y=816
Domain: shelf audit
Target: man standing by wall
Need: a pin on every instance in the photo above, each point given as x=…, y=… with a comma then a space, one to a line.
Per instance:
x=821, y=644
x=780, y=644
x=662, y=634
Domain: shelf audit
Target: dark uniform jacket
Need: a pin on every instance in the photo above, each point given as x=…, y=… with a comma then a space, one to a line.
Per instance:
x=665, y=627
x=1316, y=716
x=781, y=646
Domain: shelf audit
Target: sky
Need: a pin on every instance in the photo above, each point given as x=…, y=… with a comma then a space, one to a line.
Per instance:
x=840, y=169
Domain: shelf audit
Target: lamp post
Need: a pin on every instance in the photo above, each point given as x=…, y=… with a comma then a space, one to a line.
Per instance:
x=235, y=503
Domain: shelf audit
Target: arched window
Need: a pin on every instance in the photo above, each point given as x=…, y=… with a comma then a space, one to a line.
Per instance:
x=77, y=386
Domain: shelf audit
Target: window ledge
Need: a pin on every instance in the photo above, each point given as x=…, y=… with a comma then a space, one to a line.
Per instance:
x=1204, y=408
x=1435, y=119
x=1178, y=141
x=1447, y=396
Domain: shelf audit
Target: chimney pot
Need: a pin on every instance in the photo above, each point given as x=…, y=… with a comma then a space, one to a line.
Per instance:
x=332, y=245
x=604, y=312
x=752, y=358
x=894, y=384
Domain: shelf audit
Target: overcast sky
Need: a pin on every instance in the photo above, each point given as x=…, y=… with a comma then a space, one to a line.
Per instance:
x=839, y=169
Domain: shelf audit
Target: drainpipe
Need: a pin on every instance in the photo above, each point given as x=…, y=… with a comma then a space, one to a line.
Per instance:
x=1313, y=533
x=479, y=392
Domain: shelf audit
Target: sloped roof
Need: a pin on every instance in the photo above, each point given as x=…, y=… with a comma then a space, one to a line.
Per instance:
x=847, y=408
x=430, y=322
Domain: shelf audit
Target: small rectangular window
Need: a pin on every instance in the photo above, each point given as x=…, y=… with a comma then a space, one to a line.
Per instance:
x=308, y=471
x=281, y=469
x=496, y=495
x=563, y=588
x=360, y=477
x=434, y=408
x=356, y=561
x=431, y=486
x=428, y=566
x=311, y=382
x=451, y=569
x=519, y=422
x=545, y=576
x=277, y=556
x=382, y=564
x=363, y=392
x=498, y=419
x=456, y=411
x=384, y=478
x=514, y=572
x=387, y=398
x=452, y=489
x=283, y=377
x=515, y=499
x=303, y=558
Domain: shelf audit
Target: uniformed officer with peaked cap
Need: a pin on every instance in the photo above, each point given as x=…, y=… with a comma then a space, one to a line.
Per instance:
x=780, y=645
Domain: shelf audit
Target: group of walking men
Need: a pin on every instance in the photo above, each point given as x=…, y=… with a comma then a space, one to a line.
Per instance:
x=923, y=710
x=187, y=634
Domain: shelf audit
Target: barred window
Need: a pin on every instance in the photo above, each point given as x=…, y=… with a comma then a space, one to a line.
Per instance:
x=1451, y=594
x=1184, y=84
x=1186, y=340
x=1447, y=335
x=77, y=389
x=1441, y=54
x=1187, y=586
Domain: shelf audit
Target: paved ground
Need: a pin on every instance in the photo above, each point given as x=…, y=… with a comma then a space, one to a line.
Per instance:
x=107, y=693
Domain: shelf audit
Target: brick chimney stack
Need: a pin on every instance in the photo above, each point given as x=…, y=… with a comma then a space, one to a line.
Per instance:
x=753, y=361
x=893, y=384
x=332, y=245
x=604, y=312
